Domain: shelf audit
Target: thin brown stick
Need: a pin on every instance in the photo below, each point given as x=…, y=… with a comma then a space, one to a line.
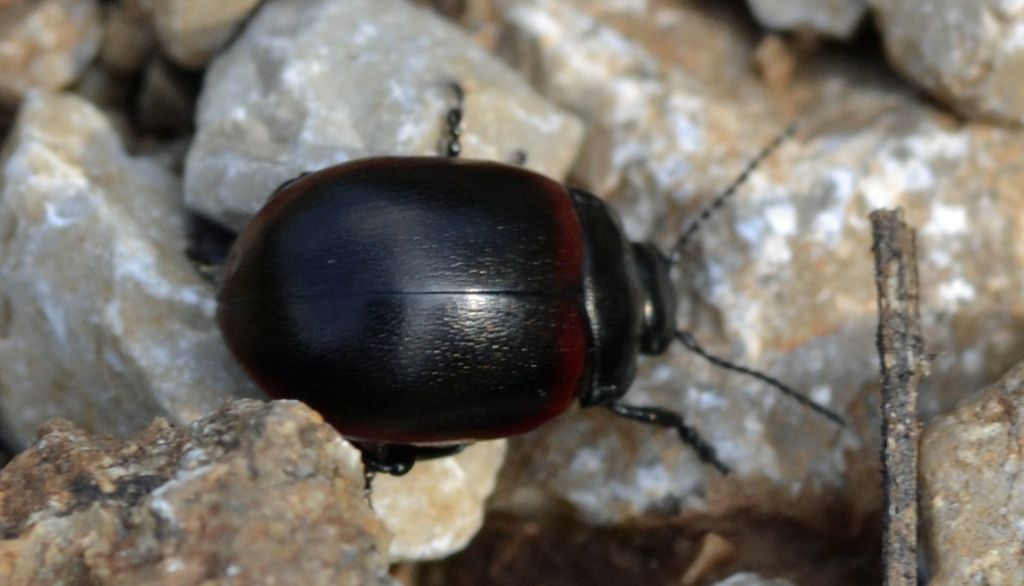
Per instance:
x=904, y=364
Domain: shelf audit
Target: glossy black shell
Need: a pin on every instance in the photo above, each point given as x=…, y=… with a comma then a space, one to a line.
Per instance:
x=426, y=300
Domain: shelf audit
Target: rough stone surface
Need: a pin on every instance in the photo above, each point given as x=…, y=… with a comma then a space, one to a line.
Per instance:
x=102, y=318
x=253, y=494
x=45, y=44
x=971, y=464
x=781, y=279
x=436, y=508
x=288, y=97
x=191, y=32
x=969, y=55
x=833, y=18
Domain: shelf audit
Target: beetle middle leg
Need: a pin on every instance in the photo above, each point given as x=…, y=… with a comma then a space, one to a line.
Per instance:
x=665, y=418
x=690, y=343
x=398, y=459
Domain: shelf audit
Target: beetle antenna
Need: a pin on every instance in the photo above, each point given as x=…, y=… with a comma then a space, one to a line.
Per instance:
x=665, y=418
x=453, y=121
x=676, y=252
x=687, y=340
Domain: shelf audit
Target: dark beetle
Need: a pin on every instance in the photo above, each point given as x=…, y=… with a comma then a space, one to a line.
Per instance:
x=422, y=303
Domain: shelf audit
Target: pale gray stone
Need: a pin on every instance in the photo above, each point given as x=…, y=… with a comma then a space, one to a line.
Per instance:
x=968, y=54
x=314, y=83
x=972, y=505
x=833, y=18
x=104, y=321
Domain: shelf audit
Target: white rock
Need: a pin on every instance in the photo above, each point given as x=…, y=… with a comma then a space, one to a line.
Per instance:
x=970, y=55
x=314, y=83
x=833, y=18
x=103, y=319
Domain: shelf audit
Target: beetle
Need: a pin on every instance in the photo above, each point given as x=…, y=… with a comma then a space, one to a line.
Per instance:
x=423, y=303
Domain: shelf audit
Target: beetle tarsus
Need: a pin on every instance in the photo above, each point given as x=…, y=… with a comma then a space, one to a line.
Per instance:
x=687, y=340
x=665, y=418
x=393, y=459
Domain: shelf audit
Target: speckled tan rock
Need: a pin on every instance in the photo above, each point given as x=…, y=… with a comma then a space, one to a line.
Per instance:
x=288, y=97
x=104, y=321
x=45, y=44
x=781, y=279
x=832, y=18
x=971, y=462
x=253, y=494
x=969, y=55
x=191, y=32
x=436, y=508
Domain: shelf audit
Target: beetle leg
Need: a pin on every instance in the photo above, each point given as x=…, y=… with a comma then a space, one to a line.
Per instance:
x=453, y=122
x=394, y=459
x=687, y=340
x=665, y=418
x=397, y=459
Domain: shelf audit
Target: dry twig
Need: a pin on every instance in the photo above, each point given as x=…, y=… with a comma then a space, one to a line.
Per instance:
x=904, y=364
